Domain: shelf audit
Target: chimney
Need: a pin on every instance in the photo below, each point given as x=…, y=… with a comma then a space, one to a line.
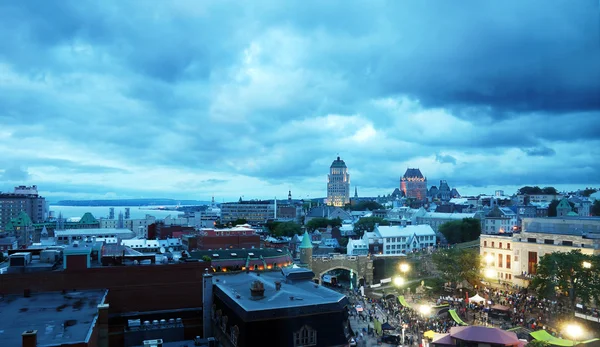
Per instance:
x=102, y=325
x=207, y=303
x=29, y=338
x=277, y=285
x=257, y=289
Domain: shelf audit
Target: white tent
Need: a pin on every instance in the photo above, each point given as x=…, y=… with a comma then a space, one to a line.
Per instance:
x=477, y=299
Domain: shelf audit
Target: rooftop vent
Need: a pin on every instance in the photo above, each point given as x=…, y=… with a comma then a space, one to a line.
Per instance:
x=234, y=254
x=251, y=254
x=257, y=289
x=215, y=255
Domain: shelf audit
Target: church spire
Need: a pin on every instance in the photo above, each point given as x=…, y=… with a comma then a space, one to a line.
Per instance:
x=355, y=192
x=290, y=195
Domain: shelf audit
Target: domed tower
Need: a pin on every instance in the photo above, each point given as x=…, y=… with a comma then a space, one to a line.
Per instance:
x=306, y=249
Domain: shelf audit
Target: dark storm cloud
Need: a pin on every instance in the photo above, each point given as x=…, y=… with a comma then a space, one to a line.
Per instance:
x=445, y=159
x=540, y=152
x=274, y=90
x=14, y=174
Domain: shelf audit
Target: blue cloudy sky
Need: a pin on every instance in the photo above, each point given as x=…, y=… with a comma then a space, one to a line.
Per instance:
x=187, y=99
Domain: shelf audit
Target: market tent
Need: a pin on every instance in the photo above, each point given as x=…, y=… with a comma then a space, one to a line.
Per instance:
x=429, y=334
x=477, y=299
x=543, y=335
x=403, y=301
x=456, y=317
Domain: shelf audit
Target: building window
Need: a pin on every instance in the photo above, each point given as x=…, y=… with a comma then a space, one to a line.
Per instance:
x=484, y=243
x=306, y=336
x=500, y=246
x=508, y=261
x=235, y=332
x=508, y=246
x=499, y=260
x=492, y=244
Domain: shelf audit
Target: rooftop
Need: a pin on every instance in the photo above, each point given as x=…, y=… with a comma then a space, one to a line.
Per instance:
x=338, y=163
x=58, y=318
x=99, y=231
x=239, y=253
x=413, y=173
x=393, y=231
x=302, y=297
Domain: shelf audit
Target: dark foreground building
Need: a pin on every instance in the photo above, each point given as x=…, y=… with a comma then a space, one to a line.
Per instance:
x=283, y=308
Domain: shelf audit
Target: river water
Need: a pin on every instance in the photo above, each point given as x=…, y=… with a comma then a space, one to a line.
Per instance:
x=103, y=211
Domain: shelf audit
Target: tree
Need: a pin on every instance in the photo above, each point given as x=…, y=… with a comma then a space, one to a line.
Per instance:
x=588, y=191
x=365, y=205
x=206, y=258
x=458, y=231
x=595, y=209
x=287, y=229
x=319, y=222
x=367, y=224
x=240, y=221
x=456, y=265
x=568, y=273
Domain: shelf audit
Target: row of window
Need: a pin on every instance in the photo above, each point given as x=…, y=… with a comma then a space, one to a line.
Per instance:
x=500, y=260
x=485, y=244
x=403, y=239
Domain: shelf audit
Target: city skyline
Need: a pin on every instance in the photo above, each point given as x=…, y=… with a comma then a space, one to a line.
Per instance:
x=212, y=101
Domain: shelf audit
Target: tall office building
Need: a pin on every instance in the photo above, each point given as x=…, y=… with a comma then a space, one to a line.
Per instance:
x=22, y=199
x=338, y=184
x=414, y=184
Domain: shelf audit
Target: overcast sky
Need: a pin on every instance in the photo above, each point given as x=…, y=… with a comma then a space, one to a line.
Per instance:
x=186, y=99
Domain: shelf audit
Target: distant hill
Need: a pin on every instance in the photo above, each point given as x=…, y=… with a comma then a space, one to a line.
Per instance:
x=131, y=202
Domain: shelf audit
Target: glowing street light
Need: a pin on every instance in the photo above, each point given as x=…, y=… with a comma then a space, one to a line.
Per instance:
x=489, y=259
x=587, y=265
x=404, y=268
x=490, y=273
x=425, y=310
x=574, y=331
x=398, y=281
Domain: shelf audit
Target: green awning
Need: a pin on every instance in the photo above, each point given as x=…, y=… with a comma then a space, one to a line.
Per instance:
x=543, y=335
x=456, y=317
x=403, y=301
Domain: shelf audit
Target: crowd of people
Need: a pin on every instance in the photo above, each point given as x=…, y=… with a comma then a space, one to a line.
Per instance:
x=505, y=307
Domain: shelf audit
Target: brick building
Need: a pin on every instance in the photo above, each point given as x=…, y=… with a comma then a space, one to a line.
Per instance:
x=145, y=292
x=241, y=236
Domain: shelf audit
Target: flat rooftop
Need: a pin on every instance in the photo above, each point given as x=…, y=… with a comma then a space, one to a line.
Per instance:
x=254, y=253
x=294, y=298
x=58, y=318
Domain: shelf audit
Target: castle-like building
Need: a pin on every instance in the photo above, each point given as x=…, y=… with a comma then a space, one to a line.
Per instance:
x=338, y=184
x=414, y=185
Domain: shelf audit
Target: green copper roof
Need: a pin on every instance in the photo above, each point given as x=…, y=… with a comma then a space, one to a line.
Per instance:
x=564, y=204
x=306, y=243
x=88, y=218
x=338, y=163
x=22, y=220
x=572, y=214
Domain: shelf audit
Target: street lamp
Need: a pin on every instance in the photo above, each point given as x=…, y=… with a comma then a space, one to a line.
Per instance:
x=404, y=268
x=587, y=265
x=425, y=310
x=490, y=273
x=574, y=331
x=398, y=281
x=489, y=259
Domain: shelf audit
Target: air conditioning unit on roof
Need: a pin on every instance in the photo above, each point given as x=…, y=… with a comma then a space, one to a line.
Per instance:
x=153, y=343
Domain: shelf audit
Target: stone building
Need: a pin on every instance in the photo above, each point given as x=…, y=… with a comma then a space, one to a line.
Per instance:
x=414, y=185
x=338, y=184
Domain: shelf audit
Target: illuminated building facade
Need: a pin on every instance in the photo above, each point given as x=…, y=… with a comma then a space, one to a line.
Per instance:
x=338, y=184
x=414, y=185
